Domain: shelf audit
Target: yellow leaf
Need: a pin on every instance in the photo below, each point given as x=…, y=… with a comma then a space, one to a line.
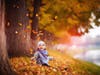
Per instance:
x=28, y=27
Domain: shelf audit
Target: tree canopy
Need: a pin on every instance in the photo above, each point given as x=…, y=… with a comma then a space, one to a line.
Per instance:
x=70, y=16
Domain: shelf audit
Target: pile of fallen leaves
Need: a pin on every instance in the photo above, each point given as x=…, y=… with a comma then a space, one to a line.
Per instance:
x=62, y=65
x=24, y=66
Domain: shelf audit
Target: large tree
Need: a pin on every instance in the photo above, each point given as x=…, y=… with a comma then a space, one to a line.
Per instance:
x=5, y=67
x=17, y=28
x=69, y=17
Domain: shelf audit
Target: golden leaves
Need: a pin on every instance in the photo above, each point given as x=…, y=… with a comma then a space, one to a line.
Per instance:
x=34, y=32
x=62, y=65
x=28, y=27
x=24, y=66
x=31, y=9
x=72, y=21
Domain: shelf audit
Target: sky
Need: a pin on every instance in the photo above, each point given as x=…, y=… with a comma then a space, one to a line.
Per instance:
x=94, y=32
x=91, y=35
x=89, y=39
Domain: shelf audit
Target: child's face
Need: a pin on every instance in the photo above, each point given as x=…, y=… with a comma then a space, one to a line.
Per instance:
x=42, y=46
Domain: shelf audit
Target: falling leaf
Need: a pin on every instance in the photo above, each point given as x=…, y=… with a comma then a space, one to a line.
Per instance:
x=16, y=32
x=30, y=21
x=8, y=24
x=56, y=17
x=24, y=36
x=37, y=15
x=28, y=27
x=34, y=32
x=17, y=6
x=27, y=14
x=54, y=70
x=20, y=24
x=31, y=51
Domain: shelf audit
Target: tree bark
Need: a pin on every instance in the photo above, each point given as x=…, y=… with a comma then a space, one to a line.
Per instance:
x=5, y=67
x=35, y=23
x=18, y=38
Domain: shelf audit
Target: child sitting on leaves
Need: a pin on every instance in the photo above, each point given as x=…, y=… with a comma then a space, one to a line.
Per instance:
x=41, y=54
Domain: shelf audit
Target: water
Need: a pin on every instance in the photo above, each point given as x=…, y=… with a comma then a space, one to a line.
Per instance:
x=90, y=55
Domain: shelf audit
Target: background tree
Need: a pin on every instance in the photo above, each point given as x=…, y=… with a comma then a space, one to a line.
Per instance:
x=37, y=33
x=5, y=67
x=17, y=28
x=70, y=17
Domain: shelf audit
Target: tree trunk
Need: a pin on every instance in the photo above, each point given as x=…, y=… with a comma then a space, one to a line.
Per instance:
x=18, y=38
x=5, y=68
x=35, y=23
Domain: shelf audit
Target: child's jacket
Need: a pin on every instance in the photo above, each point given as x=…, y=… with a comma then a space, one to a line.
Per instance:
x=42, y=57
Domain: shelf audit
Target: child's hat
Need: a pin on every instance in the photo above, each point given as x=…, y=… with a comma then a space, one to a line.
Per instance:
x=41, y=43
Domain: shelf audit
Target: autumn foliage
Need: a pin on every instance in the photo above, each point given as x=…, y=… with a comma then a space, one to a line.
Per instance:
x=63, y=65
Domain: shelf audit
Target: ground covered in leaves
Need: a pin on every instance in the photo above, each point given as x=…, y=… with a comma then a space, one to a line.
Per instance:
x=62, y=65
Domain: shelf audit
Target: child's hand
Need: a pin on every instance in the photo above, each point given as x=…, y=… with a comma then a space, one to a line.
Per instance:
x=32, y=58
x=51, y=58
